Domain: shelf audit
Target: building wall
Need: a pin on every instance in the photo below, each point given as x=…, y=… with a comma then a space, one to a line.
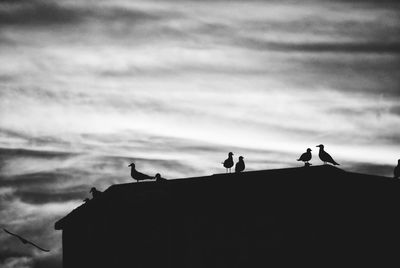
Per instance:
x=283, y=222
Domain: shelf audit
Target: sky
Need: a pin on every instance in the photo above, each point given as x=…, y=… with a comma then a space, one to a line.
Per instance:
x=89, y=86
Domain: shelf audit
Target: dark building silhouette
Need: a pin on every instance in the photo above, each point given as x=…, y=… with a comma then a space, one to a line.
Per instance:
x=318, y=216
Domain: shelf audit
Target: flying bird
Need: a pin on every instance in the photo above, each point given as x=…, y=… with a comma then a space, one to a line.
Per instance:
x=240, y=166
x=396, y=171
x=24, y=241
x=136, y=175
x=228, y=163
x=324, y=156
x=305, y=157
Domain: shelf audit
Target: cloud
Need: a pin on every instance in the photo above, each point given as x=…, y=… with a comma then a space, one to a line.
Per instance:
x=47, y=14
x=37, y=13
x=371, y=168
x=325, y=47
x=15, y=262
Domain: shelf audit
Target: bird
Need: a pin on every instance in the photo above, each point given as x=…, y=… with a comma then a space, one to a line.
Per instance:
x=136, y=175
x=159, y=178
x=228, y=163
x=305, y=157
x=24, y=241
x=324, y=156
x=396, y=171
x=95, y=193
x=86, y=200
x=240, y=166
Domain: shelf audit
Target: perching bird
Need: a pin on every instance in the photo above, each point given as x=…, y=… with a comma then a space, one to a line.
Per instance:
x=228, y=163
x=324, y=156
x=159, y=178
x=239, y=167
x=95, y=193
x=24, y=241
x=397, y=170
x=136, y=175
x=305, y=157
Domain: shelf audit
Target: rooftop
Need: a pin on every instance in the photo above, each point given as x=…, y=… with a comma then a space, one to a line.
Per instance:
x=289, y=182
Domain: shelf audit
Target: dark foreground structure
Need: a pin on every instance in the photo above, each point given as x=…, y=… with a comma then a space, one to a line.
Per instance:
x=311, y=216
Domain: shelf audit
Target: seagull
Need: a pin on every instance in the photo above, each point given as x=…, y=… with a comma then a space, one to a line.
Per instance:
x=324, y=156
x=228, y=163
x=159, y=178
x=95, y=193
x=239, y=167
x=397, y=170
x=136, y=175
x=24, y=241
x=305, y=157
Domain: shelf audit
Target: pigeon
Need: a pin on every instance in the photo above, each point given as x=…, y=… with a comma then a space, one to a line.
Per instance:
x=396, y=171
x=24, y=241
x=239, y=167
x=228, y=163
x=324, y=156
x=305, y=157
x=95, y=193
x=136, y=175
x=159, y=178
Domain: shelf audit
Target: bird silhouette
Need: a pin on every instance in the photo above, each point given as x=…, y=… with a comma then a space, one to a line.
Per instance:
x=159, y=178
x=95, y=193
x=24, y=241
x=240, y=166
x=324, y=156
x=228, y=163
x=305, y=157
x=138, y=176
x=396, y=171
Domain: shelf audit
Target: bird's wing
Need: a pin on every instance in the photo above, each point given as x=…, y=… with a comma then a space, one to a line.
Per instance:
x=142, y=176
x=23, y=240
x=42, y=249
x=5, y=230
x=329, y=157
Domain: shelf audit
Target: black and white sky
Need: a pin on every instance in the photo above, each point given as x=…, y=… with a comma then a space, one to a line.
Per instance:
x=88, y=86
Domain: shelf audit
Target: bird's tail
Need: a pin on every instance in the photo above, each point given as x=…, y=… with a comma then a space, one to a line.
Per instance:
x=336, y=164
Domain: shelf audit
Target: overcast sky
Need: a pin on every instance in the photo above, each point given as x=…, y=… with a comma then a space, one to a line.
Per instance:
x=86, y=87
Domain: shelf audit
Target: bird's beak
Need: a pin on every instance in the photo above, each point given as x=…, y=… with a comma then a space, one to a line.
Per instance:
x=129, y=165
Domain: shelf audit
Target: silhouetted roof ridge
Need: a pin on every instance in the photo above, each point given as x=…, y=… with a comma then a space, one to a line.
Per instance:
x=115, y=192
